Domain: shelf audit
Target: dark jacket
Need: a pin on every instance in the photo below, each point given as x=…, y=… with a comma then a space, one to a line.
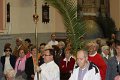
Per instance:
x=12, y=61
x=113, y=68
x=29, y=68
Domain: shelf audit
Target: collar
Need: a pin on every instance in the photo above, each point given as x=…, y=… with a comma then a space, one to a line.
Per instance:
x=50, y=63
x=65, y=59
x=92, y=55
x=53, y=41
x=22, y=58
x=106, y=56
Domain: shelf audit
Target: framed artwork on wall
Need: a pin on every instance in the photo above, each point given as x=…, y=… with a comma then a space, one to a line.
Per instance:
x=45, y=13
x=3, y=16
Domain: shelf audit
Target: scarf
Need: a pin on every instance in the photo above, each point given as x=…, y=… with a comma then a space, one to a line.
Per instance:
x=20, y=64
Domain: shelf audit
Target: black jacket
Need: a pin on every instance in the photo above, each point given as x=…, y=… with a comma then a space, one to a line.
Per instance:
x=12, y=61
x=29, y=67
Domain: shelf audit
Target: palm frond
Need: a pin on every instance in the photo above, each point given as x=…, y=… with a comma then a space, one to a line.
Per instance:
x=75, y=27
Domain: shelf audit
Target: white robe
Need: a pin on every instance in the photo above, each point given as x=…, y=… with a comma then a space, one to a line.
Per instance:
x=49, y=71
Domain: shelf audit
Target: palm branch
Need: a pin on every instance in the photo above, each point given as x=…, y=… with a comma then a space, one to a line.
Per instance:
x=75, y=27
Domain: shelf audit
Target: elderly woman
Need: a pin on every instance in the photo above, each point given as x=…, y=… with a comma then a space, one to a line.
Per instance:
x=105, y=53
x=59, y=52
x=8, y=62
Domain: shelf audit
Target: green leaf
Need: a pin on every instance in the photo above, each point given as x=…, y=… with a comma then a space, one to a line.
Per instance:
x=75, y=27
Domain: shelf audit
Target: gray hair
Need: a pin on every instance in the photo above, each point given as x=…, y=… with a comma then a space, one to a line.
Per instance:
x=61, y=43
x=84, y=52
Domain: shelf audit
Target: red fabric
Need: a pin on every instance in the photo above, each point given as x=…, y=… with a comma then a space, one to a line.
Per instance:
x=69, y=67
x=98, y=60
x=28, y=55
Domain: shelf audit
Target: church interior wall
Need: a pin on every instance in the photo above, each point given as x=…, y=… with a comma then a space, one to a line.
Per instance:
x=115, y=12
x=22, y=24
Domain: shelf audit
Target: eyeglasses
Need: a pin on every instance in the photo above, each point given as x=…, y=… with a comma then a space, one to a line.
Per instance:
x=7, y=50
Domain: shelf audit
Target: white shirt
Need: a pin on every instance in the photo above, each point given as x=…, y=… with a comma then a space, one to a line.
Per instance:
x=112, y=52
x=92, y=55
x=7, y=65
x=65, y=59
x=106, y=56
x=53, y=42
x=49, y=71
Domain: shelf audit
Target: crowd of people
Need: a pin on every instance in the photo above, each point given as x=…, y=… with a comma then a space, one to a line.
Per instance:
x=54, y=61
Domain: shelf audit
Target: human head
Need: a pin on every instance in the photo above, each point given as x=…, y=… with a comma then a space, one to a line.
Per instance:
x=33, y=51
x=21, y=53
x=82, y=38
x=67, y=41
x=7, y=45
x=105, y=50
x=53, y=36
x=111, y=44
x=27, y=42
x=98, y=41
x=68, y=45
x=113, y=36
x=92, y=47
x=42, y=47
x=7, y=51
x=18, y=41
x=82, y=58
x=117, y=47
x=67, y=53
x=117, y=77
x=48, y=47
x=61, y=44
x=10, y=74
x=48, y=55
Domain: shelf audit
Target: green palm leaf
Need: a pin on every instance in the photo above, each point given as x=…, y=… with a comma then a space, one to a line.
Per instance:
x=75, y=27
